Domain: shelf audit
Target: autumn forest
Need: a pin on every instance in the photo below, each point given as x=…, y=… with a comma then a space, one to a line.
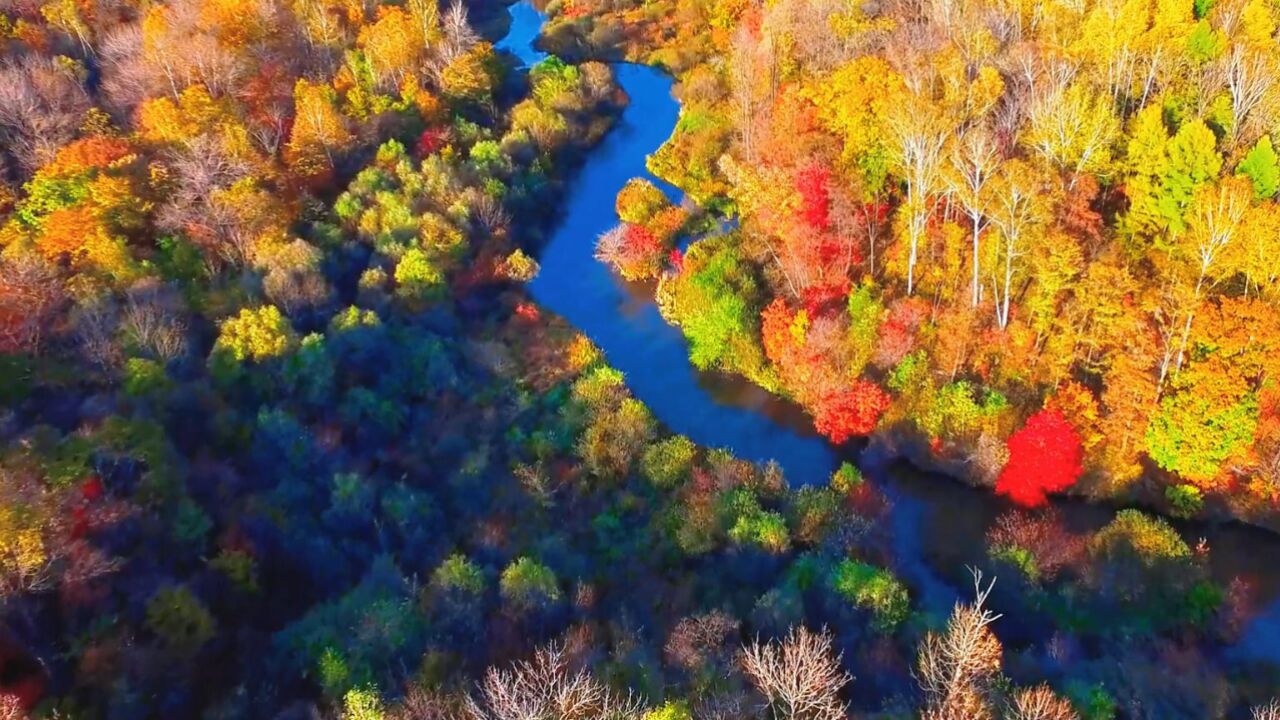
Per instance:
x=640, y=359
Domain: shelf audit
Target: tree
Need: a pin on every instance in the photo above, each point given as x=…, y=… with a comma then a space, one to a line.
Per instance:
x=1040, y=703
x=256, y=334
x=1262, y=166
x=972, y=160
x=1044, y=456
x=527, y=584
x=957, y=667
x=1017, y=209
x=319, y=129
x=921, y=131
x=547, y=687
x=799, y=676
x=851, y=412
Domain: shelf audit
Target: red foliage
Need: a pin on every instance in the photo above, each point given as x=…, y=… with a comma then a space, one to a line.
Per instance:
x=91, y=488
x=1044, y=456
x=851, y=412
x=898, y=333
x=813, y=183
x=527, y=311
x=821, y=298
x=431, y=140
x=676, y=259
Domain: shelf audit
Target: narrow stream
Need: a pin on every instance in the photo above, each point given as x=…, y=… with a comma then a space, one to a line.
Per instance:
x=938, y=524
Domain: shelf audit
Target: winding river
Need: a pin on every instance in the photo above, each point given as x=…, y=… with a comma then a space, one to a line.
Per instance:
x=938, y=525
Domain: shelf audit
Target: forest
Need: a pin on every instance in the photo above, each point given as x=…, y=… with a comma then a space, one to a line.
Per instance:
x=286, y=434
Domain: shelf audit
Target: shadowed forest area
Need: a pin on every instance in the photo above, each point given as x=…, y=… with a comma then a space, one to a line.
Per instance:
x=703, y=360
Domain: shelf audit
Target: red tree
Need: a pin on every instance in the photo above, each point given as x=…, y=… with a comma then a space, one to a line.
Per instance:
x=850, y=412
x=813, y=184
x=1044, y=457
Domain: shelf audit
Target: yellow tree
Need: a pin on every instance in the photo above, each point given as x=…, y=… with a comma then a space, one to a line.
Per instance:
x=319, y=129
x=971, y=161
x=1018, y=208
x=393, y=44
x=1073, y=128
x=920, y=131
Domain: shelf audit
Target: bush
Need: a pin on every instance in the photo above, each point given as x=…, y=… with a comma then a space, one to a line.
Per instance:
x=667, y=462
x=1186, y=500
x=874, y=589
x=527, y=584
x=179, y=620
x=458, y=573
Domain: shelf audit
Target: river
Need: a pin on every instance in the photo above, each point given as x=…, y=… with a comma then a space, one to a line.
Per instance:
x=938, y=525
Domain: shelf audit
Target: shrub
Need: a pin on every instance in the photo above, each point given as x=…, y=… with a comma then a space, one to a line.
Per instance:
x=179, y=620
x=1186, y=500
x=667, y=463
x=458, y=573
x=874, y=589
x=527, y=583
x=144, y=378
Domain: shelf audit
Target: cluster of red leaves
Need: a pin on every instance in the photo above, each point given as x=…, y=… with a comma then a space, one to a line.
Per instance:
x=1044, y=456
x=431, y=140
x=813, y=184
x=851, y=412
x=633, y=250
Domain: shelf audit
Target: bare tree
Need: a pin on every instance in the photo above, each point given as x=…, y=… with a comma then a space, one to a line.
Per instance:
x=921, y=132
x=1039, y=703
x=30, y=294
x=973, y=161
x=753, y=76
x=1250, y=77
x=41, y=106
x=153, y=325
x=545, y=688
x=457, y=38
x=800, y=676
x=955, y=668
x=1270, y=711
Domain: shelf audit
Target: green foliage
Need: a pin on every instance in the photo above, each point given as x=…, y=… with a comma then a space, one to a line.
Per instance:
x=1146, y=538
x=362, y=704
x=670, y=710
x=1262, y=167
x=15, y=378
x=765, y=529
x=1017, y=557
x=145, y=378
x=417, y=276
x=846, y=478
x=1092, y=702
x=1205, y=43
x=1186, y=500
x=527, y=584
x=874, y=589
x=1193, y=161
x=715, y=302
x=667, y=463
x=458, y=574
x=179, y=620
x=191, y=525
x=815, y=511
x=1192, y=437
x=239, y=567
